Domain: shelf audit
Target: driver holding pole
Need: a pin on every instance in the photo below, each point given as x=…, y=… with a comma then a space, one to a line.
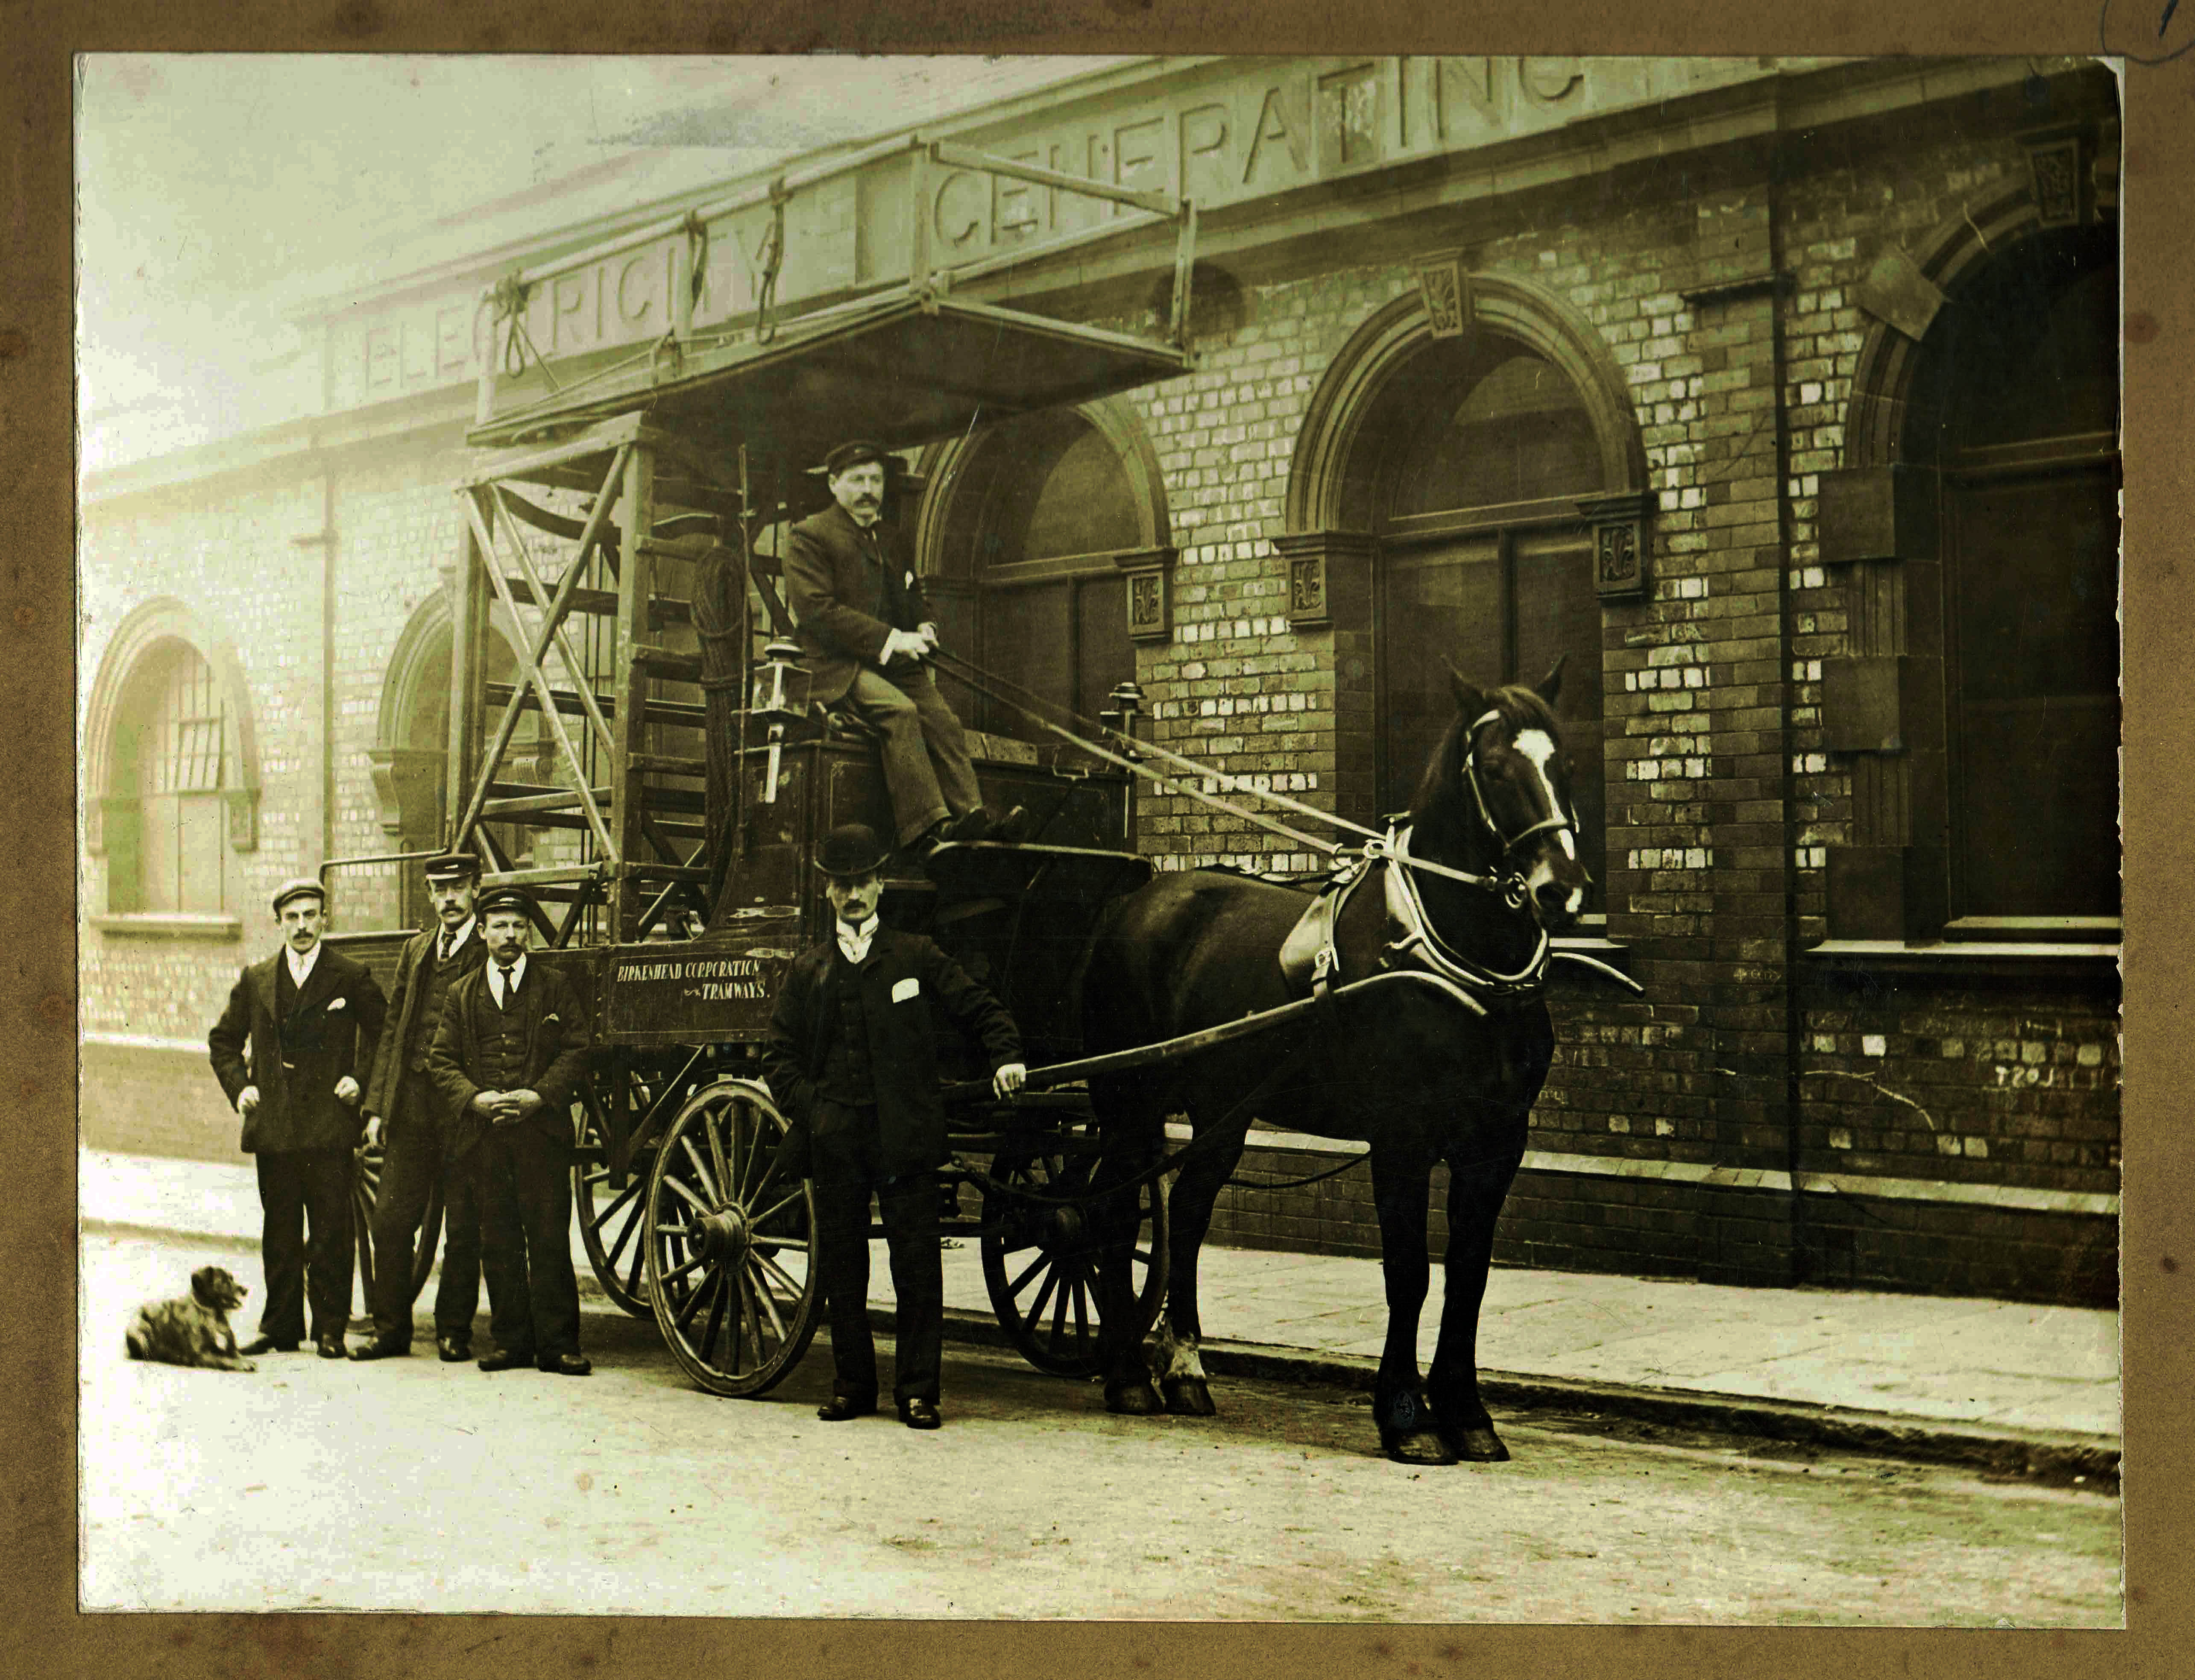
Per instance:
x=852, y=1057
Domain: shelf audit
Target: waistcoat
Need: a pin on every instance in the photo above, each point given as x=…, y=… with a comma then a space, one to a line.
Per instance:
x=848, y=1077
x=498, y=1041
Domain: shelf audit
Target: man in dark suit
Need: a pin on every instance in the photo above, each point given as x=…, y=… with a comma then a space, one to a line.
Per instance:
x=509, y=1053
x=865, y=629
x=852, y=1057
x=405, y=1112
x=299, y=1029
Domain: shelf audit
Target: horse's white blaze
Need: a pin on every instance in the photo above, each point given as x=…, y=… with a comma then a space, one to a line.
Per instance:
x=1537, y=747
x=1174, y=1354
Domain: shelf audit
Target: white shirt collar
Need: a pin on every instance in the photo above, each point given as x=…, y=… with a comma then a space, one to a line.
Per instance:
x=496, y=977
x=300, y=967
x=458, y=939
x=855, y=941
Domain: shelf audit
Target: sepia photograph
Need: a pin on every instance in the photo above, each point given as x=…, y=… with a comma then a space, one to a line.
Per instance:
x=1222, y=838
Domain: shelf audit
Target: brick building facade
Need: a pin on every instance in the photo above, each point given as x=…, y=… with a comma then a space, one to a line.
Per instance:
x=1705, y=376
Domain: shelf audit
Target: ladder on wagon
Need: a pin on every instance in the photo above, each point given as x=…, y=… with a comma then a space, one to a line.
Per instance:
x=610, y=527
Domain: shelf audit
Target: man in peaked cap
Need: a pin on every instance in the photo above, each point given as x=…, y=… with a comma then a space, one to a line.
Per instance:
x=298, y=1029
x=851, y=1056
x=405, y=1112
x=509, y=1054
x=865, y=628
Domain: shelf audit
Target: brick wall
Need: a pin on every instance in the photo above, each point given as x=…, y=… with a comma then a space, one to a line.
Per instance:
x=1722, y=800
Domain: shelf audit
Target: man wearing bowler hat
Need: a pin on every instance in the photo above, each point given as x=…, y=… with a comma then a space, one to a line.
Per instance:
x=405, y=1112
x=865, y=629
x=510, y=1051
x=852, y=1057
x=298, y=1029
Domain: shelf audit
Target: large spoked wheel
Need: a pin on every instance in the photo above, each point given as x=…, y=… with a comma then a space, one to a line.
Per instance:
x=611, y=1220
x=730, y=1243
x=368, y=1161
x=365, y=1189
x=1041, y=1266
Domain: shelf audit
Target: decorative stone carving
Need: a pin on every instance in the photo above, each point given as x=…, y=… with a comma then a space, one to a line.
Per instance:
x=1619, y=545
x=1445, y=289
x=1330, y=579
x=1148, y=576
x=2057, y=170
x=243, y=818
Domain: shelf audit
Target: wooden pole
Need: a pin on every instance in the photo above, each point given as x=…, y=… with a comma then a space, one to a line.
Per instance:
x=628, y=778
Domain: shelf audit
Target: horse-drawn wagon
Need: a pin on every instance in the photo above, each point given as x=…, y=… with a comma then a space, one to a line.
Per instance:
x=623, y=530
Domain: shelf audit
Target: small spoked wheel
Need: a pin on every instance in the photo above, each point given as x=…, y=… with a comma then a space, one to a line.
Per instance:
x=730, y=1243
x=1042, y=1265
x=611, y=1219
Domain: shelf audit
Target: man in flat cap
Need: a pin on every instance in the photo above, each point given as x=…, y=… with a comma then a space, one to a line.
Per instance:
x=404, y=1111
x=299, y=1029
x=866, y=629
x=508, y=1056
x=852, y=1057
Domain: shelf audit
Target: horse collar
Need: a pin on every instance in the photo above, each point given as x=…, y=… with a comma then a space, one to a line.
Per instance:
x=1415, y=941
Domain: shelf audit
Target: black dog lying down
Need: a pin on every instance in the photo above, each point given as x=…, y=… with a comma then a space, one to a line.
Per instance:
x=194, y=1329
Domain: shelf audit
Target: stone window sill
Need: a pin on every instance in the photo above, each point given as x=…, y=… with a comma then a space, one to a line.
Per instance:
x=212, y=929
x=1951, y=960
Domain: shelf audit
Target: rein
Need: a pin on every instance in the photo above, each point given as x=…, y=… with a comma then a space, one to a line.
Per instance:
x=1377, y=847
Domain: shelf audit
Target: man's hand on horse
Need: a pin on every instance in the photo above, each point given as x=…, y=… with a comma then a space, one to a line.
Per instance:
x=1008, y=1081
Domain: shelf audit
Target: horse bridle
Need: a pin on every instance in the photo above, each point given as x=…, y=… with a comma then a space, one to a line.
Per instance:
x=1510, y=881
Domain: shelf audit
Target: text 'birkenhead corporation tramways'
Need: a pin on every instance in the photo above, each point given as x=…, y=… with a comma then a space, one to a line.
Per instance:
x=718, y=978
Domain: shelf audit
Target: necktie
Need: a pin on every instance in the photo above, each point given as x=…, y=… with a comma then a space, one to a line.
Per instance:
x=509, y=985
x=442, y=947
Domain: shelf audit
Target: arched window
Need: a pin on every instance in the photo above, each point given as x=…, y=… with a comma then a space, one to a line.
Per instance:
x=171, y=777
x=1481, y=449
x=167, y=779
x=1025, y=540
x=2027, y=447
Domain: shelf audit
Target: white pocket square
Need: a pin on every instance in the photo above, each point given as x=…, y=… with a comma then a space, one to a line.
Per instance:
x=337, y=1004
x=904, y=990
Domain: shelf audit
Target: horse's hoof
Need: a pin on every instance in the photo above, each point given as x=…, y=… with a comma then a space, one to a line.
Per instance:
x=1133, y=1400
x=1188, y=1397
x=1416, y=1446
x=1479, y=1446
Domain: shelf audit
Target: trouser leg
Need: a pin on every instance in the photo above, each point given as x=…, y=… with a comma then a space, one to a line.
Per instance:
x=329, y=1257
x=409, y=1166
x=909, y=1206
x=842, y=1260
x=916, y=799
x=947, y=744
x=281, y=1245
x=503, y=1246
x=456, y=1297
x=541, y=1172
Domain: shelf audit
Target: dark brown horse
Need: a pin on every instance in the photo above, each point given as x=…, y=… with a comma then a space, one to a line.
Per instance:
x=1440, y=1058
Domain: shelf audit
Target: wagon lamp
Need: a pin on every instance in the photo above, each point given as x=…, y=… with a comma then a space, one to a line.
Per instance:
x=1128, y=699
x=778, y=705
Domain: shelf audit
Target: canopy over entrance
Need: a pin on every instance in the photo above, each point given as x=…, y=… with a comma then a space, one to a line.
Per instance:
x=899, y=370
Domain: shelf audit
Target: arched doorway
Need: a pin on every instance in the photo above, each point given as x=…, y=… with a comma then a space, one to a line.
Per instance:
x=410, y=756
x=1024, y=541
